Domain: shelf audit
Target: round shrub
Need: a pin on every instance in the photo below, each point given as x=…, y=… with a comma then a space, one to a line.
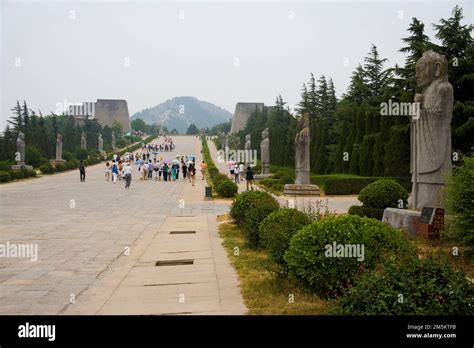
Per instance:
x=360, y=243
x=375, y=213
x=5, y=166
x=277, y=229
x=45, y=169
x=227, y=188
x=429, y=287
x=5, y=176
x=81, y=154
x=32, y=173
x=286, y=179
x=67, y=156
x=383, y=194
x=26, y=173
x=33, y=155
x=60, y=167
x=244, y=201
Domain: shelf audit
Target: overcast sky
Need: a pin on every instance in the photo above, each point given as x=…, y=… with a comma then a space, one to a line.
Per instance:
x=222, y=52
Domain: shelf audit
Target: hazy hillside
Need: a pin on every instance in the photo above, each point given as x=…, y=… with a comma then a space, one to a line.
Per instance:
x=180, y=112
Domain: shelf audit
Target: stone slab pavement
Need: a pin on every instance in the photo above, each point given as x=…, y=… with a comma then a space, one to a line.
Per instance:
x=94, y=240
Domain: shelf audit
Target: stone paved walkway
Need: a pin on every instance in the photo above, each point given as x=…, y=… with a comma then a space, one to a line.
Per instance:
x=97, y=244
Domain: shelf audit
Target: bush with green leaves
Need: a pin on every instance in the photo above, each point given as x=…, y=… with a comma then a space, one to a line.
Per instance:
x=311, y=259
x=249, y=209
x=4, y=176
x=33, y=155
x=277, y=229
x=81, y=154
x=429, y=287
x=375, y=213
x=17, y=174
x=460, y=203
x=67, y=156
x=5, y=166
x=60, y=167
x=384, y=194
x=227, y=188
x=46, y=169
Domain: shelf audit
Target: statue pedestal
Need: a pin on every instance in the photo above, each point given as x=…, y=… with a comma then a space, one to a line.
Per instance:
x=55, y=162
x=301, y=190
x=21, y=166
x=404, y=219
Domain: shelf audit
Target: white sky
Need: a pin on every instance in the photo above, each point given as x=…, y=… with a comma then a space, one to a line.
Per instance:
x=190, y=48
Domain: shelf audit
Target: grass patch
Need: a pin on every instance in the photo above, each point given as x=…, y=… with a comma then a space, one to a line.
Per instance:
x=263, y=291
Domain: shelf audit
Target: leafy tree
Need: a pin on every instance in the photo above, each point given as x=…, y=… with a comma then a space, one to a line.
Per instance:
x=192, y=129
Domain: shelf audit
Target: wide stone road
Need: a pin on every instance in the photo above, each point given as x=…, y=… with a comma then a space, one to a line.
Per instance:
x=93, y=239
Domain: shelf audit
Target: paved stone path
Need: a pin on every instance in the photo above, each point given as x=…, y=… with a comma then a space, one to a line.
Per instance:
x=98, y=243
x=335, y=204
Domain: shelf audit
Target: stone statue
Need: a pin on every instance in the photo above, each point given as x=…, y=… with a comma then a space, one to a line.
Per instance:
x=248, y=151
x=59, y=147
x=83, y=141
x=430, y=133
x=101, y=143
x=113, y=141
x=20, y=148
x=302, y=141
x=265, y=152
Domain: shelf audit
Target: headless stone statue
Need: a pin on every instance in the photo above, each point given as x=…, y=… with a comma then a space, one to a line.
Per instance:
x=430, y=134
x=113, y=141
x=20, y=148
x=59, y=147
x=248, y=145
x=101, y=143
x=302, y=141
x=83, y=141
x=265, y=152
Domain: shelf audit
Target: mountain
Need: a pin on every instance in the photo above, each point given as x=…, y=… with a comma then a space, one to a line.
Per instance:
x=180, y=112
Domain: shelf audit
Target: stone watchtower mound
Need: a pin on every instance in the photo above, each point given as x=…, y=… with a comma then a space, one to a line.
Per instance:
x=109, y=110
x=242, y=114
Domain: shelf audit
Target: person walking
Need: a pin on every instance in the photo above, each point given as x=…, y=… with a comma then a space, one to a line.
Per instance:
x=184, y=169
x=114, y=171
x=241, y=171
x=192, y=174
x=150, y=170
x=236, y=174
x=107, y=171
x=173, y=172
x=82, y=171
x=249, y=178
x=165, y=172
x=177, y=170
x=128, y=175
x=203, y=169
x=145, y=171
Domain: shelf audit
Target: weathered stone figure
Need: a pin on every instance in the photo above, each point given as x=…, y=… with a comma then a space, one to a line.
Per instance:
x=430, y=134
x=265, y=152
x=20, y=148
x=59, y=147
x=113, y=141
x=101, y=143
x=302, y=141
x=83, y=141
x=248, y=151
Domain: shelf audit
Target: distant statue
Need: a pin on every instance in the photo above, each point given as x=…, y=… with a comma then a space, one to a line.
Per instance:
x=430, y=133
x=265, y=152
x=83, y=141
x=20, y=148
x=248, y=150
x=59, y=147
x=101, y=143
x=302, y=142
x=113, y=141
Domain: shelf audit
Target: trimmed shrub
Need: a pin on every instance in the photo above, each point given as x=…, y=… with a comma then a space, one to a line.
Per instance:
x=33, y=156
x=81, y=154
x=17, y=174
x=277, y=229
x=60, y=167
x=311, y=257
x=249, y=209
x=32, y=173
x=46, y=169
x=375, y=213
x=383, y=194
x=26, y=173
x=460, y=203
x=5, y=166
x=67, y=156
x=429, y=287
x=4, y=176
x=227, y=188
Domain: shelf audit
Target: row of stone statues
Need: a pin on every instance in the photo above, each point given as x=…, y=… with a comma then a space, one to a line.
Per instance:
x=21, y=146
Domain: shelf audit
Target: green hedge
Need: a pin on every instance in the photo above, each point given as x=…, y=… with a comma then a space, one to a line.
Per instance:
x=375, y=213
x=412, y=287
x=4, y=176
x=310, y=258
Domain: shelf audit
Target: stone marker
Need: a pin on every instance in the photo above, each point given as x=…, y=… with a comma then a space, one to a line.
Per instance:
x=430, y=134
x=264, y=156
x=83, y=141
x=247, y=147
x=101, y=143
x=59, y=151
x=302, y=184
